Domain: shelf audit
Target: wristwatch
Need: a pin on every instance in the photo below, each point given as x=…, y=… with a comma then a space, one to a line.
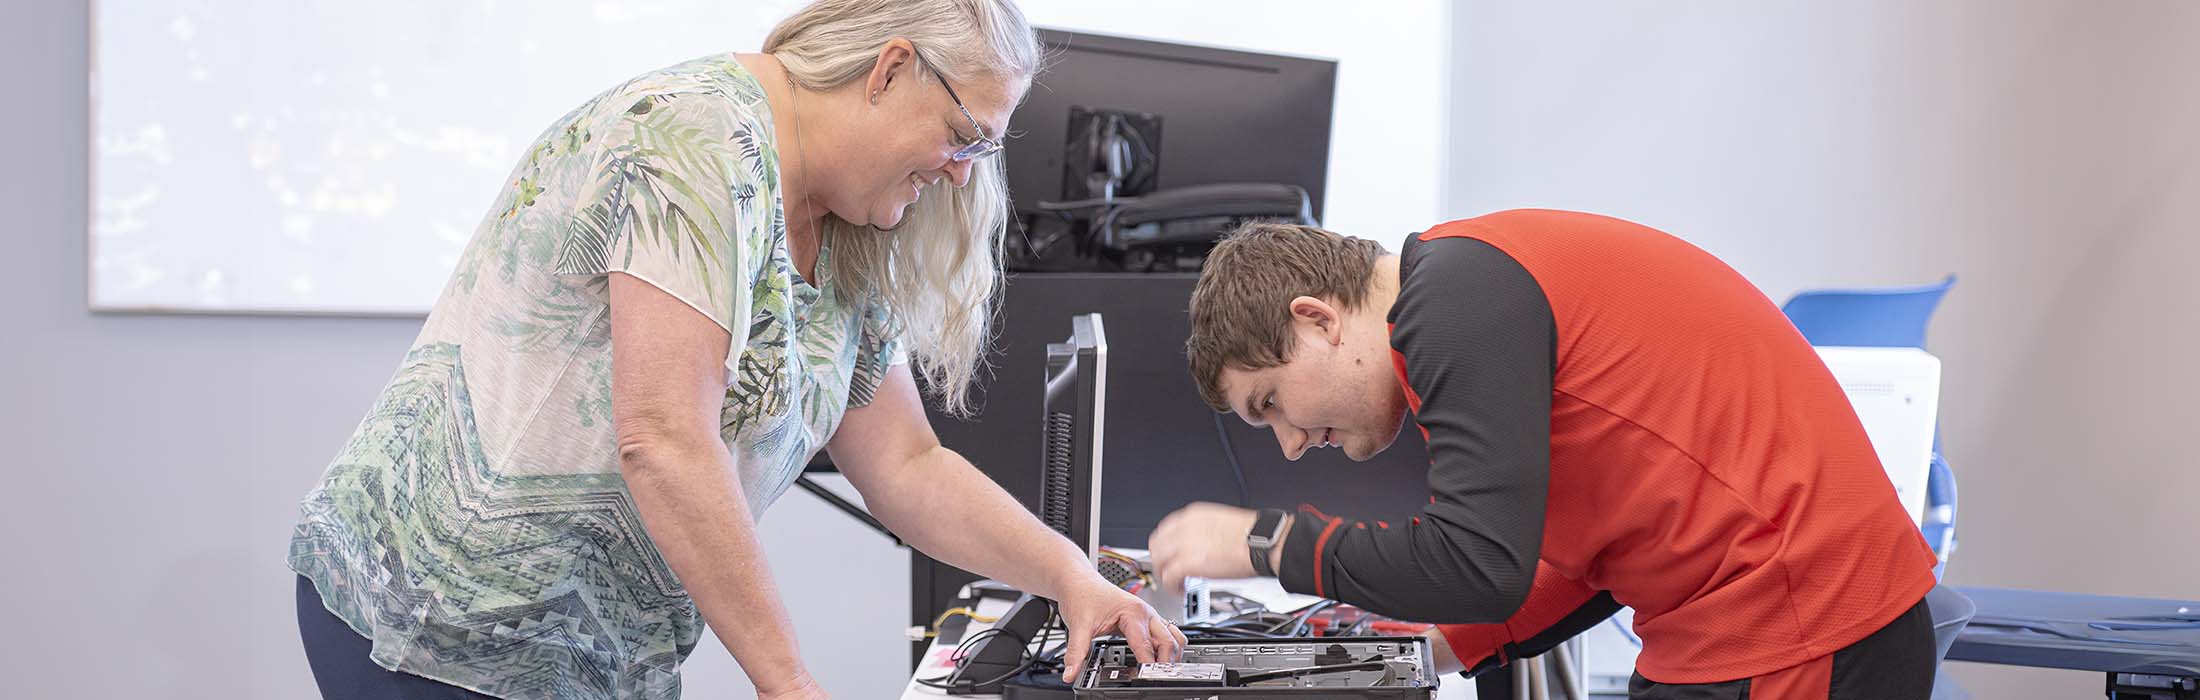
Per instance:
x=1266, y=534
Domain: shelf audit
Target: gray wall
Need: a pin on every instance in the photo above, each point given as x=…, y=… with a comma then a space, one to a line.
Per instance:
x=2046, y=152
x=155, y=462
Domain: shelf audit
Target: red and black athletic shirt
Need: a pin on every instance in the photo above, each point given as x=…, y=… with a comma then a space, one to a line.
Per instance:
x=1615, y=414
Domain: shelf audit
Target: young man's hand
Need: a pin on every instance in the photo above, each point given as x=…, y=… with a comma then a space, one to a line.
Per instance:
x=1205, y=540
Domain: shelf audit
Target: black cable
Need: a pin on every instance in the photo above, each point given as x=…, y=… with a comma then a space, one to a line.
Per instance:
x=1226, y=632
x=1310, y=671
x=954, y=678
x=1298, y=622
x=1239, y=605
x=1263, y=624
x=1255, y=624
x=1245, y=497
x=1026, y=659
x=1359, y=626
x=1049, y=659
x=1261, y=617
x=1261, y=621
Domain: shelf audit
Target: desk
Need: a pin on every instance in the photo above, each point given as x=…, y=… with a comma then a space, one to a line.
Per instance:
x=2151, y=649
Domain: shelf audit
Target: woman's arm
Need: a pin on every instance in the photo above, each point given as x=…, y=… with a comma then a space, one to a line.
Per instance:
x=942, y=505
x=667, y=387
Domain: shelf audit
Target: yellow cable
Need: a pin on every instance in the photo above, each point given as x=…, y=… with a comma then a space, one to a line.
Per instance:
x=1125, y=558
x=951, y=612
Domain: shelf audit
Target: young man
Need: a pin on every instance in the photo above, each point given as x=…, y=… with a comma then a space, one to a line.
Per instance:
x=1614, y=417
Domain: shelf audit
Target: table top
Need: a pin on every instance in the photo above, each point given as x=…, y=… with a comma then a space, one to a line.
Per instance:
x=2083, y=632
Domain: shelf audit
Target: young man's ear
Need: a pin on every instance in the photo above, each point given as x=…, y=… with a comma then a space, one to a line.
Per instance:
x=1317, y=316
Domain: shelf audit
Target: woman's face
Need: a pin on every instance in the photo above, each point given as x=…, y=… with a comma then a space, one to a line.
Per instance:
x=905, y=143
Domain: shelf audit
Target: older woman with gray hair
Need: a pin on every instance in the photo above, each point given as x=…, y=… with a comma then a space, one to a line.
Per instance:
x=688, y=286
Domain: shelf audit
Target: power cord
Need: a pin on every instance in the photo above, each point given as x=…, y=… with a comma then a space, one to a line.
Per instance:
x=1229, y=451
x=1297, y=623
x=954, y=680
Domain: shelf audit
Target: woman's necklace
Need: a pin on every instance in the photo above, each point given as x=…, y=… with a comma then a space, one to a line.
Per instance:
x=794, y=99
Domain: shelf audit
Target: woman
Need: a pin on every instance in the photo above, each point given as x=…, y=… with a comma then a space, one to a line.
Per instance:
x=689, y=285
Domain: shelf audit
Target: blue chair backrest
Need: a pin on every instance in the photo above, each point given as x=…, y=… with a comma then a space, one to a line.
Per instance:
x=1880, y=318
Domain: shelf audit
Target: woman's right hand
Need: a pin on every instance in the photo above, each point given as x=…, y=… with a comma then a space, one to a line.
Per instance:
x=801, y=687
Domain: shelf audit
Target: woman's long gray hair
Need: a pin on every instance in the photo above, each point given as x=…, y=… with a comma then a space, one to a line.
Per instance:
x=939, y=271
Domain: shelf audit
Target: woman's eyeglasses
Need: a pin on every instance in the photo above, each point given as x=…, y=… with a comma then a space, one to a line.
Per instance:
x=974, y=149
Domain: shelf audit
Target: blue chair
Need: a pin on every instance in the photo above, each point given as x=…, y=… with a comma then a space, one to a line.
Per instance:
x=1887, y=318
x=1896, y=318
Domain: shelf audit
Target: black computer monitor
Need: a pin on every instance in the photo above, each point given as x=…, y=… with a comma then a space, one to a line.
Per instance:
x=1224, y=116
x=1163, y=445
x=1075, y=416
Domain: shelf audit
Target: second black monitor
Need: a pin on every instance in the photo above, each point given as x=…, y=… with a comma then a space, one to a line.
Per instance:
x=1225, y=116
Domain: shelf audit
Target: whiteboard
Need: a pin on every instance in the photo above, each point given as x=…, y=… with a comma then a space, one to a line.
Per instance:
x=316, y=156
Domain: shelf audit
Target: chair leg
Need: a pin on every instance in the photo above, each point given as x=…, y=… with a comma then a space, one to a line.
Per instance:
x=1562, y=656
x=1538, y=680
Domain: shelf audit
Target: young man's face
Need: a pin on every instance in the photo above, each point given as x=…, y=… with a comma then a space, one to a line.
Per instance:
x=1337, y=390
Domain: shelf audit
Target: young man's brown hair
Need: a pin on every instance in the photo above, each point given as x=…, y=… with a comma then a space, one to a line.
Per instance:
x=1241, y=315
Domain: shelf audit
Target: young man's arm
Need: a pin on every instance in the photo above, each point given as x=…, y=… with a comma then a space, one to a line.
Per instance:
x=1475, y=336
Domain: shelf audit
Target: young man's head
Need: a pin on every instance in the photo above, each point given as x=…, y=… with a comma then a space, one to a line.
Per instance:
x=1288, y=331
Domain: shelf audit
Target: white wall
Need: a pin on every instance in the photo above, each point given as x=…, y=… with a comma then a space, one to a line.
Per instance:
x=2048, y=153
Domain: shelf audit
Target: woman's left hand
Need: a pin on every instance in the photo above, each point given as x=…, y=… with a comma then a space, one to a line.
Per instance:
x=1094, y=608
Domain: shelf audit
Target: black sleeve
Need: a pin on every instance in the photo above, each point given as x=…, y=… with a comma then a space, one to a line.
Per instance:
x=1591, y=613
x=1478, y=343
